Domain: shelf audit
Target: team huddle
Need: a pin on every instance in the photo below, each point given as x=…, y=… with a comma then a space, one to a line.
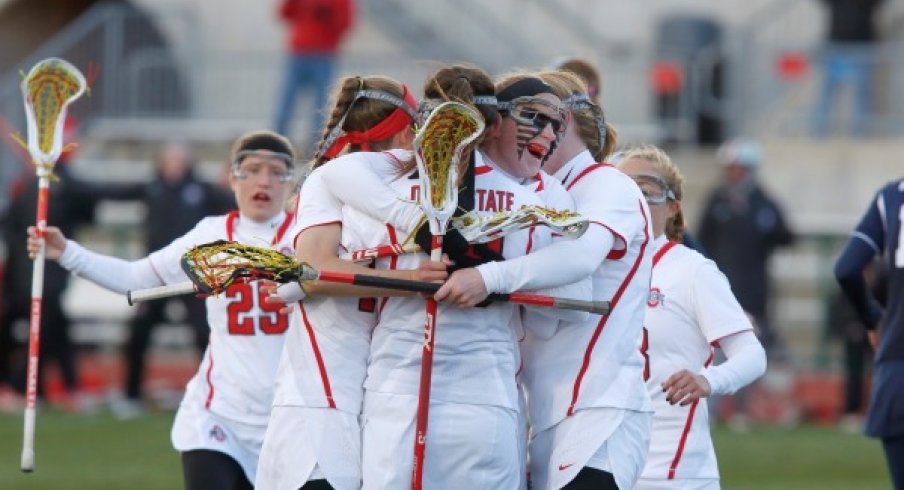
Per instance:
x=317, y=385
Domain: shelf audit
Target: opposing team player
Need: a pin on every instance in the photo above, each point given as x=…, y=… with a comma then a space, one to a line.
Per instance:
x=221, y=421
x=589, y=410
x=313, y=440
x=690, y=311
x=879, y=233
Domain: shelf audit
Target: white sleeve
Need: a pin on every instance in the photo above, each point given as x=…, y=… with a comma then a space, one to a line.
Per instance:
x=111, y=273
x=745, y=361
x=715, y=307
x=563, y=262
x=361, y=181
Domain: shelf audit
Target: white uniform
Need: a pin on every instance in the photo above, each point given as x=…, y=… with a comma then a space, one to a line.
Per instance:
x=587, y=374
x=314, y=431
x=475, y=361
x=227, y=403
x=690, y=307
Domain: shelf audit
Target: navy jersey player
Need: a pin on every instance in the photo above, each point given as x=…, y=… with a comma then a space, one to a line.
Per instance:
x=879, y=233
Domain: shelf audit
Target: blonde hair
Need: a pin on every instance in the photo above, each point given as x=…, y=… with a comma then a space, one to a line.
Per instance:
x=567, y=84
x=665, y=168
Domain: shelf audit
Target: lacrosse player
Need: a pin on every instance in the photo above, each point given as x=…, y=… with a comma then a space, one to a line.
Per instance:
x=221, y=421
x=690, y=311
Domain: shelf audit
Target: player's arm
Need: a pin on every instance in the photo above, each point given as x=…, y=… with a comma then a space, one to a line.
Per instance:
x=865, y=242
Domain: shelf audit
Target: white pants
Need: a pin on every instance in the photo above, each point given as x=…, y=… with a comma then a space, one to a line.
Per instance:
x=608, y=439
x=304, y=444
x=468, y=446
x=197, y=428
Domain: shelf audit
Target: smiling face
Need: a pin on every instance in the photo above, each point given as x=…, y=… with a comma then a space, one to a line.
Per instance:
x=262, y=183
x=527, y=135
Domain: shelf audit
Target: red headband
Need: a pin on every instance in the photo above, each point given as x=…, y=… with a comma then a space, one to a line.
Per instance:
x=396, y=121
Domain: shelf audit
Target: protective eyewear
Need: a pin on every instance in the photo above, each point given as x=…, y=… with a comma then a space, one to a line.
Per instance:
x=523, y=110
x=276, y=165
x=654, y=188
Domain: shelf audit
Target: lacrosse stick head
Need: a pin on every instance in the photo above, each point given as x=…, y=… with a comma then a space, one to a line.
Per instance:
x=482, y=229
x=48, y=88
x=214, y=266
x=438, y=148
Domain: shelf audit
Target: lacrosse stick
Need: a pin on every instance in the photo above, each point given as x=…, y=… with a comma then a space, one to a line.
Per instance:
x=438, y=148
x=189, y=287
x=478, y=229
x=213, y=267
x=48, y=88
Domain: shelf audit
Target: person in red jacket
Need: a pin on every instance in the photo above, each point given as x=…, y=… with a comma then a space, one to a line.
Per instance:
x=316, y=30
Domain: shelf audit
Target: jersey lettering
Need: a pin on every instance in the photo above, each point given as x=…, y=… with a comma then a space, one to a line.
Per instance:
x=494, y=200
x=416, y=193
x=247, y=310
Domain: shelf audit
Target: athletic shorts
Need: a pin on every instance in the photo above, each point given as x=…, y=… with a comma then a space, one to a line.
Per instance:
x=304, y=444
x=198, y=428
x=608, y=439
x=468, y=446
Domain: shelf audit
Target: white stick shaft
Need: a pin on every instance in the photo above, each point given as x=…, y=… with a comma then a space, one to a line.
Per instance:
x=178, y=289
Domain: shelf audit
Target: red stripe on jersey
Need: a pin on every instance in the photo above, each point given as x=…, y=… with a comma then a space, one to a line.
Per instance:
x=662, y=251
x=614, y=254
x=585, y=172
x=324, y=377
x=282, y=228
x=687, y=425
x=207, y=376
x=483, y=169
x=230, y=224
x=602, y=323
x=687, y=429
x=233, y=216
x=530, y=240
x=540, y=184
x=393, y=262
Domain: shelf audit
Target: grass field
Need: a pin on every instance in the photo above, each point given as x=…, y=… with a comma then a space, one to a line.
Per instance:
x=98, y=452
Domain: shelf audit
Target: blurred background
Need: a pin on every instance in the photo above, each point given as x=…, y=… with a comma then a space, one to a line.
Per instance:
x=684, y=74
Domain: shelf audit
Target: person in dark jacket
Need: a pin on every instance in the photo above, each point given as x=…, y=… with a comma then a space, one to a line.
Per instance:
x=741, y=227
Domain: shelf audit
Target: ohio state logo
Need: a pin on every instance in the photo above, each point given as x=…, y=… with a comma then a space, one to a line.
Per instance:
x=217, y=433
x=655, y=298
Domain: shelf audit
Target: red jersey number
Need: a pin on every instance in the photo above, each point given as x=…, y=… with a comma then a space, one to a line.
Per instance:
x=248, y=305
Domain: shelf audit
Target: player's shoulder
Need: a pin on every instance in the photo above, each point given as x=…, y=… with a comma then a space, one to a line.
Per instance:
x=682, y=257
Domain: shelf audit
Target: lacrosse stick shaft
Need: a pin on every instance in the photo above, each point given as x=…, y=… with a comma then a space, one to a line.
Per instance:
x=423, y=399
x=34, y=330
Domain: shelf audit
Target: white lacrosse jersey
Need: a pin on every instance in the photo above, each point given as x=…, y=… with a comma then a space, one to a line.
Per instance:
x=690, y=307
x=325, y=360
x=236, y=376
x=597, y=362
x=476, y=356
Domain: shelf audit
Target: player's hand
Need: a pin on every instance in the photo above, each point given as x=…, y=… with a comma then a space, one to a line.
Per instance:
x=465, y=288
x=431, y=271
x=54, y=242
x=285, y=295
x=685, y=387
x=873, y=337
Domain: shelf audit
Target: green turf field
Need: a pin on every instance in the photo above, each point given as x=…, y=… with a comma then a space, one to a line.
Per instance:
x=97, y=452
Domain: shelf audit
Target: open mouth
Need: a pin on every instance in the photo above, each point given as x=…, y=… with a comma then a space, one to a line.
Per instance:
x=261, y=197
x=537, y=150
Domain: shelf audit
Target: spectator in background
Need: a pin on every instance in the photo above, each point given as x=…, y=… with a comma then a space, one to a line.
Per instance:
x=848, y=58
x=176, y=200
x=71, y=204
x=741, y=227
x=316, y=30
x=587, y=72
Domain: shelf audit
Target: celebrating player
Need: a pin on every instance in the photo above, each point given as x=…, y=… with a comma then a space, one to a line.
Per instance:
x=221, y=421
x=313, y=440
x=690, y=311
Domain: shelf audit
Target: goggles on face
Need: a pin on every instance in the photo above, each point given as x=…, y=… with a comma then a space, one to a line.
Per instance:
x=532, y=116
x=654, y=188
x=283, y=171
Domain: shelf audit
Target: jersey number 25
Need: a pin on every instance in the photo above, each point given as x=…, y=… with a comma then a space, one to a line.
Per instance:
x=247, y=307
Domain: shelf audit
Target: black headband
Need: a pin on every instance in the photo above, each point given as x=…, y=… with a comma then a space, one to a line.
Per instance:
x=527, y=87
x=264, y=142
